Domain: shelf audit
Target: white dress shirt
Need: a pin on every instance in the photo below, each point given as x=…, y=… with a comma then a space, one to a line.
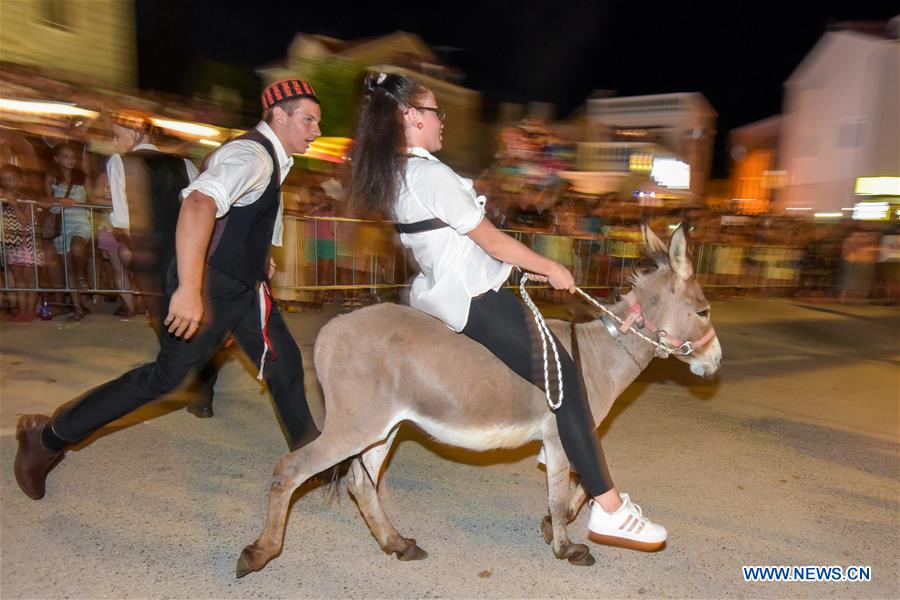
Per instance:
x=454, y=269
x=115, y=172
x=238, y=173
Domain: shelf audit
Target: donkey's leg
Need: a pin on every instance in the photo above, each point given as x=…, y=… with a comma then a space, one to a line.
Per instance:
x=362, y=483
x=558, y=495
x=334, y=445
x=577, y=497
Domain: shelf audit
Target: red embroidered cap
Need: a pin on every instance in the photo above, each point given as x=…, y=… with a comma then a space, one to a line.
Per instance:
x=286, y=90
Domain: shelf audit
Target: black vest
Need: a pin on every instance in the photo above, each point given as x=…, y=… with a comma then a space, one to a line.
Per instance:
x=153, y=184
x=241, y=240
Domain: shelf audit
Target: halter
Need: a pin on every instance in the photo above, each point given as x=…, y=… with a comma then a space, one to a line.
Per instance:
x=665, y=344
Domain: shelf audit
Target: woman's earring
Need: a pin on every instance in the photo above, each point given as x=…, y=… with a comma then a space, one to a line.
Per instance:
x=420, y=125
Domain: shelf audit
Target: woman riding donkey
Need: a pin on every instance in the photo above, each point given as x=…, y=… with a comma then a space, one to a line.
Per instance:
x=464, y=263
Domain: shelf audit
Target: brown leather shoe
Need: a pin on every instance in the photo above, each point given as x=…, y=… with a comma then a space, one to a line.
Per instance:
x=202, y=409
x=33, y=460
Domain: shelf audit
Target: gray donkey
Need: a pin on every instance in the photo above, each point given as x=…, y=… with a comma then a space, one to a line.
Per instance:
x=387, y=363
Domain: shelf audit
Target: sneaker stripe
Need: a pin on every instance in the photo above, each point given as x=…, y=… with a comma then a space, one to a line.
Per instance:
x=627, y=521
x=638, y=530
x=633, y=524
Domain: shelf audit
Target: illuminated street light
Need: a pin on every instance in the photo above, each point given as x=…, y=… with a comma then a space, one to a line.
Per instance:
x=46, y=108
x=194, y=129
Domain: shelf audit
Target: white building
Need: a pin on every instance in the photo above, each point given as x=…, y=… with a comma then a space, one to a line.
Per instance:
x=841, y=119
x=667, y=126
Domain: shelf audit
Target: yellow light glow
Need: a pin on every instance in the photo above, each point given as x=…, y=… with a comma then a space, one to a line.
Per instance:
x=195, y=129
x=332, y=149
x=828, y=215
x=878, y=186
x=640, y=162
x=46, y=108
x=333, y=143
x=798, y=208
x=213, y=143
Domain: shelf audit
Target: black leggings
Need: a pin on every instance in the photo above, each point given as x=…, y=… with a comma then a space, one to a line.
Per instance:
x=499, y=321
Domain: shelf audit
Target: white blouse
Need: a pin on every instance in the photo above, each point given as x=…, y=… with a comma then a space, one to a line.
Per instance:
x=454, y=269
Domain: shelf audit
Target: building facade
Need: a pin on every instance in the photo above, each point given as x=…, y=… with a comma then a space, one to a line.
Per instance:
x=678, y=126
x=841, y=120
x=89, y=40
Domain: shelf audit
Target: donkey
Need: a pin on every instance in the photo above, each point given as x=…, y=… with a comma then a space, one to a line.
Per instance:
x=387, y=363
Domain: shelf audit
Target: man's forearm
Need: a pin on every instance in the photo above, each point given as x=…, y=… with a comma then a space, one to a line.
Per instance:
x=196, y=221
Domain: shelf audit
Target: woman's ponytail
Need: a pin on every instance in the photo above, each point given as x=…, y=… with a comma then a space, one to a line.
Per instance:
x=379, y=152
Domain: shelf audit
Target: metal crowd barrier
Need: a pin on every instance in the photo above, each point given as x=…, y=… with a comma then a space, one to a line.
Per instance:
x=48, y=258
x=321, y=255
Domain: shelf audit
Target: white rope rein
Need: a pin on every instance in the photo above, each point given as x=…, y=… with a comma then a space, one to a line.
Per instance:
x=544, y=332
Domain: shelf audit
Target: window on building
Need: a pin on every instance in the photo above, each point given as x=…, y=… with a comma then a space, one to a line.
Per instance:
x=850, y=135
x=56, y=14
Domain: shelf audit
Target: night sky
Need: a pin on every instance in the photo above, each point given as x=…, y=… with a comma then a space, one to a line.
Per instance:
x=736, y=53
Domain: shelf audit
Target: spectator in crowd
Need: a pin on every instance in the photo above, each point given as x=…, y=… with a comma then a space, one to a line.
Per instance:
x=66, y=185
x=19, y=243
x=888, y=269
x=110, y=248
x=859, y=253
x=321, y=250
x=145, y=188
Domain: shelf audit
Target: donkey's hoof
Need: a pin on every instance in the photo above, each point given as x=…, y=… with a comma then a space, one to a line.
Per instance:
x=411, y=552
x=547, y=529
x=250, y=561
x=578, y=555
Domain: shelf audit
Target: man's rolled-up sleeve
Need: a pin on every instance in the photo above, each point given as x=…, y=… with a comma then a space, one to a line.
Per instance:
x=234, y=170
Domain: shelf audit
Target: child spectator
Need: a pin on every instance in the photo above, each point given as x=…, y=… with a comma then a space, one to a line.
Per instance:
x=67, y=185
x=109, y=246
x=19, y=244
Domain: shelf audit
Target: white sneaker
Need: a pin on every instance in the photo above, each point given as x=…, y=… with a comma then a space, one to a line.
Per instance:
x=542, y=460
x=627, y=527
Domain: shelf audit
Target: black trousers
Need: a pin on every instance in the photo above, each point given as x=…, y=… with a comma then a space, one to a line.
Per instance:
x=500, y=322
x=231, y=307
x=151, y=281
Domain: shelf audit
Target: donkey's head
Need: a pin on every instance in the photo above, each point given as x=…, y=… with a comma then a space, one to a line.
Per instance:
x=673, y=303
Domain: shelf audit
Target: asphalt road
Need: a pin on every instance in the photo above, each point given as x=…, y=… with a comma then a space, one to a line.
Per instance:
x=790, y=458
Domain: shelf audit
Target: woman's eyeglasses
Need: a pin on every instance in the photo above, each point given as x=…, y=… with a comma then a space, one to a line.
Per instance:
x=437, y=111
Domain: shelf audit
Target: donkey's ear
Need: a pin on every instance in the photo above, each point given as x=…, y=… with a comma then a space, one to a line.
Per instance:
x=652, y=244
x=678, y=258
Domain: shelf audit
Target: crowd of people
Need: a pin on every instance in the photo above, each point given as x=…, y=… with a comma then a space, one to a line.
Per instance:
x=60, y=232
x=599, y=238
x=61, y=236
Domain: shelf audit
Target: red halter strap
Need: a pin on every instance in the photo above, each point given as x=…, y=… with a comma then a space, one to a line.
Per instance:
x=637, y=317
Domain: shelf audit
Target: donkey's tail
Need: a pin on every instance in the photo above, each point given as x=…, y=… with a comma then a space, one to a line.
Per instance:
x=331, y=480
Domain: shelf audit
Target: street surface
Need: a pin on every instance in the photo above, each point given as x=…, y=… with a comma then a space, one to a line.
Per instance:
x=790, y=457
